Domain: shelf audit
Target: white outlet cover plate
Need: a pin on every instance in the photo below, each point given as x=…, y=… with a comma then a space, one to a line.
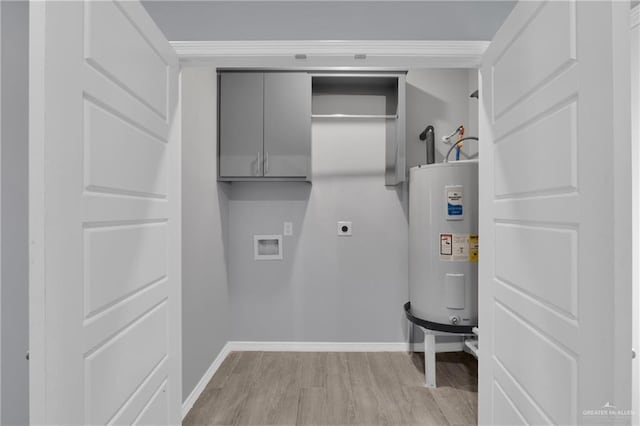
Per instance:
x=288, y=229
x=346, y=233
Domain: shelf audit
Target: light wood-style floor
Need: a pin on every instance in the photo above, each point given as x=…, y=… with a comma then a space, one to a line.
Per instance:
x=312, y=388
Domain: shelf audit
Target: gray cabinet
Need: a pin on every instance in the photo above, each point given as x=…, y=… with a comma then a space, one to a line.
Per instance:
x=241, y=124
x=287, y=124
x=264, y=126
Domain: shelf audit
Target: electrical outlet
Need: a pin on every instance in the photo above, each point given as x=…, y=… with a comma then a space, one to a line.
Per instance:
x=288, y=229
x=345, y=229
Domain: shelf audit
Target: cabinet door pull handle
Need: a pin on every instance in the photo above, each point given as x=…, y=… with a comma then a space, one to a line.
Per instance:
x=258, y=165
x=266, y=162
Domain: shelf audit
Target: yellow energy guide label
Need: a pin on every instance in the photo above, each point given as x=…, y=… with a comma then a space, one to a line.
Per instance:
x=473, y=248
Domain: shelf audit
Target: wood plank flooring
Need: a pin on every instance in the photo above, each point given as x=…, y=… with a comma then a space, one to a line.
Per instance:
x=332, y=388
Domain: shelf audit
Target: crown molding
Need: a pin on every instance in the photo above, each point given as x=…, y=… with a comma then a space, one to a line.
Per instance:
x=635, y=16
x=333, y=52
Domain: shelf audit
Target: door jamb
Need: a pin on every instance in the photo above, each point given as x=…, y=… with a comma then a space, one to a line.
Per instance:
x=246, y=54
x=635, y=182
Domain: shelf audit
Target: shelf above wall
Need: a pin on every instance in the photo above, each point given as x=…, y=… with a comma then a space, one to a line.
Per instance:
x=366, y=96
x=356, y=116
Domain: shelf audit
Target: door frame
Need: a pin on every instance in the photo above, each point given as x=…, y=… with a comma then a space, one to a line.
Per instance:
x=228, y=54
x=1, y=288
x=404, y=54
x=622, y=146
x=380, y=54
x=265, y=55
x=635, y=182
x=37, y=338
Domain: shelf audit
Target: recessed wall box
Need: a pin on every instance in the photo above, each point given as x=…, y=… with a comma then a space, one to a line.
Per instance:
x=267, y=247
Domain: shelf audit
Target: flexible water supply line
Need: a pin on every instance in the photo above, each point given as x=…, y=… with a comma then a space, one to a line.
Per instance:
x=446, y=157
x=455, y=132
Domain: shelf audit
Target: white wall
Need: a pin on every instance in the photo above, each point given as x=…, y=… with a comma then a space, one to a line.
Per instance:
x=14, y=168
x=205, y=325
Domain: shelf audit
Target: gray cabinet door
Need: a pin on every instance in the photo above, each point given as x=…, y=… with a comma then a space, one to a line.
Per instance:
x=241, y=124
x=287, y=124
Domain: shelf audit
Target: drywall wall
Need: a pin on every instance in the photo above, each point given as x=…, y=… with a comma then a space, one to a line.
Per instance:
x=330, y=288
x=205, y=302
x=440, y=97
x=15, y=257
x=327, y=288
x=329, y=20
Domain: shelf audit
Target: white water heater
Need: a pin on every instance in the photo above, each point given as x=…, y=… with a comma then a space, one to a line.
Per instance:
x=443, y=243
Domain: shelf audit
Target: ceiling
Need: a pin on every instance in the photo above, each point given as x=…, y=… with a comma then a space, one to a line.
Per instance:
x=329, y=20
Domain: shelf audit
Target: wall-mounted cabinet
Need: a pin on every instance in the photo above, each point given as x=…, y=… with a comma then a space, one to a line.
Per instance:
x=265, y=126
x=265, y=120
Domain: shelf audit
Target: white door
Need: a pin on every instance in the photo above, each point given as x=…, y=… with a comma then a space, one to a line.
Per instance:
x=555, y=271
x=104, y=216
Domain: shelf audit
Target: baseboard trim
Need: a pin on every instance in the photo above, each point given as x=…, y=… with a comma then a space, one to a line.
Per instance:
x=199, y=388
x=240, y=346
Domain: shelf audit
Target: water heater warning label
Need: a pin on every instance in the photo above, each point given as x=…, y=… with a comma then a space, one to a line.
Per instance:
x=446, y=244
x=455, y=209
x=459, y=247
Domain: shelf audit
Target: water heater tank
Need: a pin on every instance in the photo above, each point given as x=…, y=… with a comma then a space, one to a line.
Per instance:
x=443, y=243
